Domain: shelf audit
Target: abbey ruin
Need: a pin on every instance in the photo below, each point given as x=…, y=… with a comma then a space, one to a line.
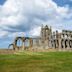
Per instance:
x=47, y=40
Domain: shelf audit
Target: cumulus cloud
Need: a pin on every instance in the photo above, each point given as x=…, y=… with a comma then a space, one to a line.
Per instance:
x=18, y=16
x=35, y=32
x=3, y=33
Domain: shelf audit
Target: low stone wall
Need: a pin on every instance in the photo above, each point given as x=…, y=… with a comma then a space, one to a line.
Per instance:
x=6, y=51
x=48, y=50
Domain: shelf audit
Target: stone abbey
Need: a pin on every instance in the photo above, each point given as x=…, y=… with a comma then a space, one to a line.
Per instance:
x=46, y=40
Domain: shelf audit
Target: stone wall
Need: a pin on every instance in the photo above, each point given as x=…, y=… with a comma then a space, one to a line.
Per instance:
x=47, y=39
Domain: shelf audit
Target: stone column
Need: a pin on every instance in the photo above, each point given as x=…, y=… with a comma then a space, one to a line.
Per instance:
x=59, y=44
x=47, y=44
x=31, y=43
x=71, y=43
x=15, y=46
x=68, y=47
x=23, y=46
x=53, y=44
x=50, y=44
x=63, y=43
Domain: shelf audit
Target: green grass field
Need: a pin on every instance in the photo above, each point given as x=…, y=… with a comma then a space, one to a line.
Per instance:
x=37, y=62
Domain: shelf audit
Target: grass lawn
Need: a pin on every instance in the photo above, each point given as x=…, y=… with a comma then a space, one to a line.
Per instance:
x=37, y=62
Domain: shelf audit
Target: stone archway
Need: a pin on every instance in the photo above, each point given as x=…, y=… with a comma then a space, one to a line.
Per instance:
x=22, y=45
x=28, y=42
x=66, y=43
x=19, y=42
x=70, y=43
x=57, y=43
x=62, y=43
x=11, y=45
x=54, y=43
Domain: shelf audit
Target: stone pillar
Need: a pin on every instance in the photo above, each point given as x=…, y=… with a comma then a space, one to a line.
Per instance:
x=43, y=44
x=59, y=44
x=64, y=45
x=15, y=45
x=23, y=46
x=50, y=43
x=46, y=44
x=68, y=47
x=31, y=43
x=71, y=43
x=40, y=43
x=53, y=44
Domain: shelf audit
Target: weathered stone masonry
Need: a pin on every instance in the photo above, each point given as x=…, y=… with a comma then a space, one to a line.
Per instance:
x=47, y=39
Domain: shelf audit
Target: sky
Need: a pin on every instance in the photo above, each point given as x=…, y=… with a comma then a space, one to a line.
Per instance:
x=25, y=18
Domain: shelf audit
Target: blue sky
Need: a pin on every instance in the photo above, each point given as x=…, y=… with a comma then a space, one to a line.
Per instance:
x=2, y=2
x=64, y=2
x=25, y=17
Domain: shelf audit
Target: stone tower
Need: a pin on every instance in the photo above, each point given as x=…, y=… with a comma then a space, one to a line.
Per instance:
x=45, y=32
x=45, y=35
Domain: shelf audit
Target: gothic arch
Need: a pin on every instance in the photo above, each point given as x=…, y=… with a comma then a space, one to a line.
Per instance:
x=66, y=43
x=23, y=39
x=70, y=43
x=12, y=46
x=57, y=42
x=54, y=43
x=62, y=43
x=29, y=42
x=19, y=38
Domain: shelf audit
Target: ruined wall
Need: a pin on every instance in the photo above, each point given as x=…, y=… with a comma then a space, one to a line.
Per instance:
x=47, y=39
x=62, y=41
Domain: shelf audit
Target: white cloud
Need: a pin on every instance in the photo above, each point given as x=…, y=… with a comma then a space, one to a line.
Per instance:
x=24, y=15
x=3, y=34
x=15, y=34
x=35, y=32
